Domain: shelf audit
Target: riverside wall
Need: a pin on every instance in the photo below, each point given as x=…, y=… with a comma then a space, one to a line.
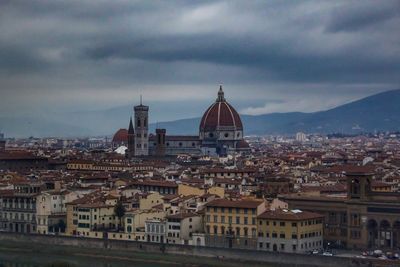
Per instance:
x=281, y=259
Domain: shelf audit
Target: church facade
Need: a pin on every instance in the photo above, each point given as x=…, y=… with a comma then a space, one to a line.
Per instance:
x=220, y=133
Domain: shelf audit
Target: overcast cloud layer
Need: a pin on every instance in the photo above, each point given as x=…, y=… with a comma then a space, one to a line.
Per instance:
x=271, y=56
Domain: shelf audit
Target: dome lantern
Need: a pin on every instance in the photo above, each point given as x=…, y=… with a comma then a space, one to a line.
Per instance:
x=221, y=97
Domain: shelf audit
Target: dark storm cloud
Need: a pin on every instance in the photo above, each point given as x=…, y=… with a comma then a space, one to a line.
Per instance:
x=50, y=47
x=362, y=14
x=276, y=59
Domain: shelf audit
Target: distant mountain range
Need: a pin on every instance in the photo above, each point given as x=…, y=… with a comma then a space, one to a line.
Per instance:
x=380, y=112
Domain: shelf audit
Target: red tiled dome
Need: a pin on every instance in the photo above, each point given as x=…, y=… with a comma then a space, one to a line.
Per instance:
x=242, y=144
x=120, y=136
x=220, y=114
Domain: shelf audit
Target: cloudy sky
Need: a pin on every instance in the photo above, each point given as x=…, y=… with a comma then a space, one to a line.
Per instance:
x=271, y=56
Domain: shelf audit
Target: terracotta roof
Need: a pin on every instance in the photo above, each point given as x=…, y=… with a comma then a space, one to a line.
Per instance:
x=242, y=144
x=181, y=215
x=290, y=215
x=359, y=170
x=220, y=114
x=225, y=203
x=20, y=156
x=120, y=136
x=155, y=183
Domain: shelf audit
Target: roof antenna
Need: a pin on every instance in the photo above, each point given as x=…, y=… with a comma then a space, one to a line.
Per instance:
x=140, y=99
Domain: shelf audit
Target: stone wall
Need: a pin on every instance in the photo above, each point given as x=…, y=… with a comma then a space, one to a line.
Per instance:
x=282, y=259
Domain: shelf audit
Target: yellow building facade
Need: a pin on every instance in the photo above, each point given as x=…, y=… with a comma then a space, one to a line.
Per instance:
x=290, y=231
x=232, y=223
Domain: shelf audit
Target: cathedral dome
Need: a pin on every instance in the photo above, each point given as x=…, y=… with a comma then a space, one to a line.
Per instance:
x=220, y=115
x=121, y=136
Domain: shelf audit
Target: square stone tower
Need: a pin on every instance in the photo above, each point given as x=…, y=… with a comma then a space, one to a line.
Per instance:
x=141, y=129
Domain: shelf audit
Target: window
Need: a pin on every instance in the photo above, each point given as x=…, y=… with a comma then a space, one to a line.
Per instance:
x=237, y=220
x=355, y=234
x=215, y=218
x=282, y=235
x=281, y=223
x=294, y=224
x=282, y=246
x=246, y=220
x=222, y=219
x=253, y=221
x=260, y=245
x=355, y=219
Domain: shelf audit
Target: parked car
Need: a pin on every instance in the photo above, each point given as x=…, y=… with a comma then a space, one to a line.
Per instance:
x=327, y=253
x=377, y=253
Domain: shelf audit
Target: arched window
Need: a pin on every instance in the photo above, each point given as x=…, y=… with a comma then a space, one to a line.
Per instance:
x=355, y=187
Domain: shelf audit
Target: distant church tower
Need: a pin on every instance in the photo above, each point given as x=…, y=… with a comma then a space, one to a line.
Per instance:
x=131, y=141
x=141, y=129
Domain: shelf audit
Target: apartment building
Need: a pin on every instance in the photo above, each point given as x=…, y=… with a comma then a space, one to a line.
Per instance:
x=232, y=223
x=292, y=231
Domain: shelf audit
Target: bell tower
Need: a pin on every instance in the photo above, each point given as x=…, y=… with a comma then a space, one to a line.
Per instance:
x=359, y=184
x=141, y=129
x=160, y=147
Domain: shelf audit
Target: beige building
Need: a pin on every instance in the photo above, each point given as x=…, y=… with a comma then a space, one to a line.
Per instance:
x=95, y=217
x=135, y=220
x=180, y=227
x=232, y=223
x=293, y=231
x=51, y=212
x=151, y=200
